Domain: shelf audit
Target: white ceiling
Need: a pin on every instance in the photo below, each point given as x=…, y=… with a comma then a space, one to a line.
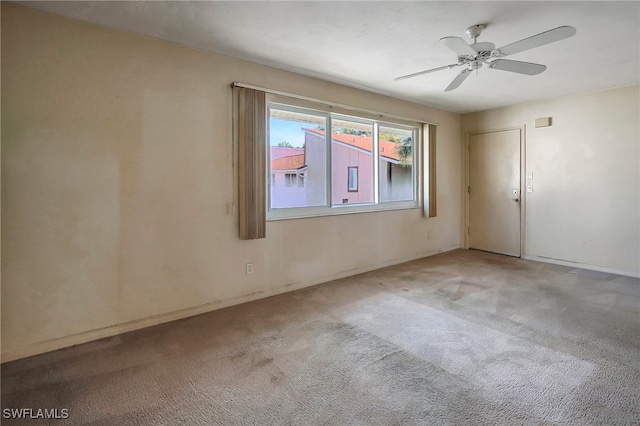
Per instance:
x=366, y=44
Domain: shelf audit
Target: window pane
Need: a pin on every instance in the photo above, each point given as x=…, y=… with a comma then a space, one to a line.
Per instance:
x=351, y=162
x=353, y=179
x=298, y=159
x=396, y=164
x=321, y=159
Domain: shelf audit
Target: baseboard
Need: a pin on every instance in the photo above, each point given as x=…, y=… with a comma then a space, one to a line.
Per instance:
x=582, y=266
x=95, y=334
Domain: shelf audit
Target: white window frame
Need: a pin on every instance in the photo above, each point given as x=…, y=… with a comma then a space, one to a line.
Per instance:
x=417, y=140
x=290, y=104
x=352, y=184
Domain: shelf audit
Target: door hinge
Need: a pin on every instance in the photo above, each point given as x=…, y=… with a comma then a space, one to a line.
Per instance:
x=469, y=189
x=469, y=231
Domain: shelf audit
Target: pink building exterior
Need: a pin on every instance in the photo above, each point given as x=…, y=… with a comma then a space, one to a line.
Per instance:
x=288, y=173
x=345, y=156
x=298, y=175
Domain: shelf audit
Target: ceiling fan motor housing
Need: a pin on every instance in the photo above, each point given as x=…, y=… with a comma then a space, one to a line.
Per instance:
x=474, y=31
x=484, y=52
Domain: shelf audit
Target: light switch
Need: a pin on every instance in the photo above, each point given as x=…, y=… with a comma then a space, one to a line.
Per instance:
x=530, y=176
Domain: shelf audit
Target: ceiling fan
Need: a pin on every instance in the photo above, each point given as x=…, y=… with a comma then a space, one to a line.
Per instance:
x=473, y=56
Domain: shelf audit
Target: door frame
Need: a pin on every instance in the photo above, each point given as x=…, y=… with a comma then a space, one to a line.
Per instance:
x=523, y=182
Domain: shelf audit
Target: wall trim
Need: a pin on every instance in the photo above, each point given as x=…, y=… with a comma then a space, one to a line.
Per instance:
x=101, y=333
x=582, y=266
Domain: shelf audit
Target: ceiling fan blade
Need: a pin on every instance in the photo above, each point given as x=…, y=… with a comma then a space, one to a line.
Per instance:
x=517, y=66
x=541, y=39
x=458, y=45
x=415, y=74
x=458, y=80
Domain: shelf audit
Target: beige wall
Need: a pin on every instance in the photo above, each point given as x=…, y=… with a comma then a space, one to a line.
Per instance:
x=585, y=204
x=117, y=175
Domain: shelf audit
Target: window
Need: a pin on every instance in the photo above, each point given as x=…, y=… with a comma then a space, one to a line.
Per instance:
x=324, y=162
x=293, y=180
x=288, y=181
x=396, y=164
x=352, y=160
x=352, y=185
x=297, y=158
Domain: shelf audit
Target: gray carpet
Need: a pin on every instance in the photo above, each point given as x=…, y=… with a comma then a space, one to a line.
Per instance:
x=460, y=338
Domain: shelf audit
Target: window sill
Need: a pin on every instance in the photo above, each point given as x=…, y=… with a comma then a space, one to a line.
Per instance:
x=302, y=213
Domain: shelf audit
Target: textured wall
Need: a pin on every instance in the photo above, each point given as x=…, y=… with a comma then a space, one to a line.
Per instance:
x=585, y=204
x=117, y=177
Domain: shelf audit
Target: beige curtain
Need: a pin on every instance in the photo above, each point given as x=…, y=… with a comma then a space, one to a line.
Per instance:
x=251, y=116
x=430, y=197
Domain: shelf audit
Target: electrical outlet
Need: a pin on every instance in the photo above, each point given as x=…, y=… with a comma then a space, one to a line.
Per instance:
x=249, y=268
x=428, y=235
x=529, y=188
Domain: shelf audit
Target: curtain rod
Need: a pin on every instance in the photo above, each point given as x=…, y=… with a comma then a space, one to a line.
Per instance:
x=329, y=103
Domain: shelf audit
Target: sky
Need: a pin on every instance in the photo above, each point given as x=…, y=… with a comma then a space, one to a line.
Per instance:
x=290, y=131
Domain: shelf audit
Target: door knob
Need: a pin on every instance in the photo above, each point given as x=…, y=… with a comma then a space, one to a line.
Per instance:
x=516, y=199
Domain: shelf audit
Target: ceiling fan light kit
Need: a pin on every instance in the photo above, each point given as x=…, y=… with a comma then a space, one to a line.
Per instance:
x=473, y=56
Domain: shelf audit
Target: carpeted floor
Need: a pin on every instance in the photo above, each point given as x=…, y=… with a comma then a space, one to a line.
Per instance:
x=460, y=338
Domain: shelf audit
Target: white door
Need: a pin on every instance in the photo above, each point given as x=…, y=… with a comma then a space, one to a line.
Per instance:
x=494, y=192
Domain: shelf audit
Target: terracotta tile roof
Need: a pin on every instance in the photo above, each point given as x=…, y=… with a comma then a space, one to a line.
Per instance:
x=292, y=162
x=387, y=148
x=280, y=151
